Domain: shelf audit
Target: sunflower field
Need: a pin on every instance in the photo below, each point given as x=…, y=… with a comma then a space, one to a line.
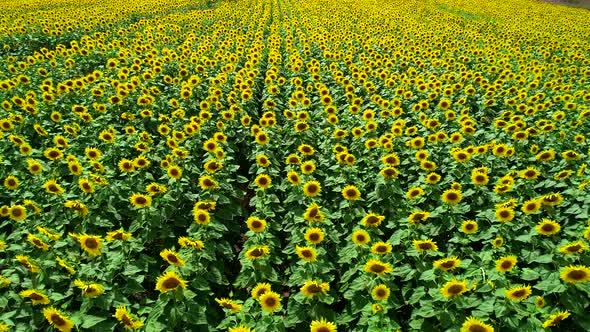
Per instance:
x=294, y=165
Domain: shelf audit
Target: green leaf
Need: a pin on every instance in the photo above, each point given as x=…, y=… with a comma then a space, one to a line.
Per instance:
x=543, y=259
x=428, y=275
x=529, y=274
x=89, y=321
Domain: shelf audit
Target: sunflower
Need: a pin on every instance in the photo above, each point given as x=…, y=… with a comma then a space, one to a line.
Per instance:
x=58, y=319
x=473, y=324
x=469, y=226
x=36, y=296
x=172, y=257
x=530, y=173
x=262, y=160
x=390, y=160
x=52, y=187
x=263, y=181
x=376, y=308
x=292, y=159
x=34, y=167
x=454, y=288
x=479, y=179
x=518, y=293
x=240, y=328
x=573, y=248
x=314, y=235
x=504, y=214
x=306, y=150
x=17, y=213
x=4, y=211
x=92, y=153
x=37, y=242
x=498, y=242
x=313, y=214
x=201, y=217
x=351, y=193
x=119, y=234
x=126, y=165
x=361, y=237
x=539, y=302
x=381, y=248
x=452, y=196
x=270, y=301
x=261, y=288
x=307, y=254
x=531, y=206
x=65, y=265
x=548, y=227
x=86, y=186
x=461, y=156
x=128, y=320
x=212, y=166
x=4, y=282
x=90, y=243
x=546, y=155
x=389, y=173
x=552, y=199
x=262, y=138
x=432, y=178
x=256, y=225
x=231, y=305
x=377, y=267
x=80, y=208
x=372, y=220
x=313, y=288
x=174, y=172
x=53, y=154
x=140, y=201
x=312, y=188
x=293, y=178
x=169, y=281
x=89, y=289
x=205, y=205
x=414, y=193
x=556, y=319
x=322, y=325
x=11, y=182
x=381, y=292
x=257, y=252
x=506, y=263
x=447, y=264
x=418, y=216
x=425, y=245
x=308, y=167
x=207, y=183
x=141, y=162
x=186, y=242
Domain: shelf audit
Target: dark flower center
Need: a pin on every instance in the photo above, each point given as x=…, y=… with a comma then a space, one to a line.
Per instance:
x=377, y=268
x=91, y=243
x=57, y=320
x=171, y=283
x=455, y=289
x=577, y=275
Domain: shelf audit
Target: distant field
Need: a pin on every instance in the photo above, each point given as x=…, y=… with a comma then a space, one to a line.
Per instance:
x=294, y=165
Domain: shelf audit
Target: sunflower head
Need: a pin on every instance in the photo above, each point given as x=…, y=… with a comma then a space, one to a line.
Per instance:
x=377, y=267
x=454, y=288
x=169, y=281
x=381, y=292
x=270, y=301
